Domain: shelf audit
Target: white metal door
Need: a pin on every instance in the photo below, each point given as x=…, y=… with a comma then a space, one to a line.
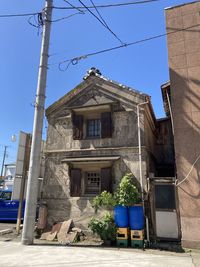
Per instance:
x=166, y=224
x=165, y=211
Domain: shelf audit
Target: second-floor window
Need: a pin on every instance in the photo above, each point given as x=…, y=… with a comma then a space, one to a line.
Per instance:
x=93, y=128
x=98, y=127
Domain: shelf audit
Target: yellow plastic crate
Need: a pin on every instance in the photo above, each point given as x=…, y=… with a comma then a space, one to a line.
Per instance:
x=122, y=233
x=137, y=234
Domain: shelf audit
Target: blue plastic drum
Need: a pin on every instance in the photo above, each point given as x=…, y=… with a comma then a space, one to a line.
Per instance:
x=121, y=216
x=136, y=218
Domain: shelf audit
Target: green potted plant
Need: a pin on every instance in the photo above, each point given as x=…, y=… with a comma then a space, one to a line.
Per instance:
x=104, y=227
x=125, y=203
x=105, y=199
x=126, y=195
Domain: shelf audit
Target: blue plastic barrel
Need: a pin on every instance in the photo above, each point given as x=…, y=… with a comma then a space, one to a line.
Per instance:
x=121, y=216
x=136, y=218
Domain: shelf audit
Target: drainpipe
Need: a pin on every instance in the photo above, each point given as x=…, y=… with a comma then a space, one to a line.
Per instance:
x=140, y=164
x=170, y=111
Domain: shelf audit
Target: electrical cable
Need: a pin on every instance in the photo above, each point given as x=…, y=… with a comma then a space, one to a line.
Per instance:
x=112, y=5
x=99, y=14
x=104, y=25
x=19, y=15
x=67, y=17
x=74, y=6
x=38, y=22
x=81, y=7
x=186, y=177
x=76, y=60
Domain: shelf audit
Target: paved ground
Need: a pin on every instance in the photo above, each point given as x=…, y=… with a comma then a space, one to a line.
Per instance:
x=6, y=225
x=13, y=254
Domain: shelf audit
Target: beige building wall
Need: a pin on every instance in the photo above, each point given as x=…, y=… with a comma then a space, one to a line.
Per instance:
x=60, y=144
x=56, y=192
x=184, y=64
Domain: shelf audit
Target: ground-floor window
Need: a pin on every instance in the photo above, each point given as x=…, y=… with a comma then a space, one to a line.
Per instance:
x=165, y=197
x=90, y=182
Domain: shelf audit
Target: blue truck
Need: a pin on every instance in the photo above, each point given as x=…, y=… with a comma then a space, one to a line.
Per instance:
x=8, y=207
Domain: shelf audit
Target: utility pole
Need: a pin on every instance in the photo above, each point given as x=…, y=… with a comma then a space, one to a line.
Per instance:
x=3, y=161
x=32, y=186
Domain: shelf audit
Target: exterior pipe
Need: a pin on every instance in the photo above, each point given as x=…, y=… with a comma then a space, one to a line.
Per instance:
x=140, y=163
x=170, y=111
x=140, y=148
x=147, y=229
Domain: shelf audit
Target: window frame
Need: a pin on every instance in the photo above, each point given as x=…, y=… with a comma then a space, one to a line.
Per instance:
x=81, y=118
x=159, y=199
x=85, y=177
x=93, y=167
x=96, y=128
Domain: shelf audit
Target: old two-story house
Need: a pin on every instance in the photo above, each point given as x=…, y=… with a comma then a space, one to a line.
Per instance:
x=92, y=142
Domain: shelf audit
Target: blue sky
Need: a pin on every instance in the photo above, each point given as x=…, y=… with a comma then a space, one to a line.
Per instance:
x=143, y=66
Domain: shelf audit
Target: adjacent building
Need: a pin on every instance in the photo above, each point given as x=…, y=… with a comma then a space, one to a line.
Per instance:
x=182, y=103
x=9, y=175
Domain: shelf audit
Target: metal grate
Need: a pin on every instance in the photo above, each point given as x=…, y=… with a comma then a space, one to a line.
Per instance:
x=92, y=185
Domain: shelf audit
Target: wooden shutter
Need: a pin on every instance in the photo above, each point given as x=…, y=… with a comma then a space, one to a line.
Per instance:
x=106, y=125
x=77, y=121
x=106, y=180
x=75, y=183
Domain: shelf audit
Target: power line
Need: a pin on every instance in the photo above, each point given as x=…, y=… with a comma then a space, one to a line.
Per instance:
x=38, y=22
x=67, y=17
x=19, y=15
x=80, y=8
x=99, y=14
x=111, y=5
x=76, y=60
x=104, y=25
x=74, y=6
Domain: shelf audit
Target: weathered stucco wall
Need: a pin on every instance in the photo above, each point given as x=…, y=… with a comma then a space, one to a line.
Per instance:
x=56, y=184
x=60, y=144
x=122, y=102
x=184, y=63
x=60, y=133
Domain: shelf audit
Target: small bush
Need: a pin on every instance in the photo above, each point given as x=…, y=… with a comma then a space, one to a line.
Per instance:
x=127, y=193
x=104, y=227
x=105, y=199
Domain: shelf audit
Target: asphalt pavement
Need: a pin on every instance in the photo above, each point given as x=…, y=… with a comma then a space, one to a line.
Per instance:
x=41, y=254
x=7, y=225
x=14, y=254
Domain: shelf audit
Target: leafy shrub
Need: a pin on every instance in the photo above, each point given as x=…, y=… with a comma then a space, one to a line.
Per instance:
x=127, y=193
x=105, y=199
x=104, y=227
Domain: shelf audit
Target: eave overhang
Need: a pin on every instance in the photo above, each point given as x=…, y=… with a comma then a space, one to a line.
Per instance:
x=90, y=159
